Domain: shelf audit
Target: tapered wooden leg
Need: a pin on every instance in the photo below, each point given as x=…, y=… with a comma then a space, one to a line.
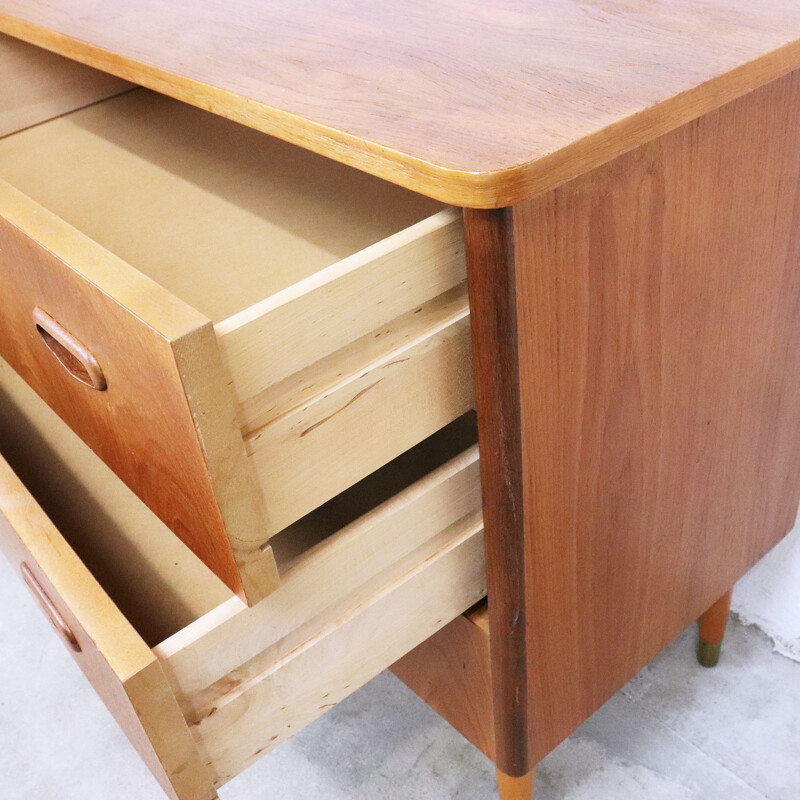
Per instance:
x=515, y=788
x=712, y=631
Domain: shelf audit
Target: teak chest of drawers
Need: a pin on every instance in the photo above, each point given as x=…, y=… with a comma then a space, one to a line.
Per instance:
x=239, y=376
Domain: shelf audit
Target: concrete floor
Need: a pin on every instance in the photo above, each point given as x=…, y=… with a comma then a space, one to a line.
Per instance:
x=675, y=732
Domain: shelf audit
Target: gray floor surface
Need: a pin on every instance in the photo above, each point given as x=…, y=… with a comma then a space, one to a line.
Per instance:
x=675, y=732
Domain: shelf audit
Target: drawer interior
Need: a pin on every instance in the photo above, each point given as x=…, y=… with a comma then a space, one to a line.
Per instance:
x=220, y=215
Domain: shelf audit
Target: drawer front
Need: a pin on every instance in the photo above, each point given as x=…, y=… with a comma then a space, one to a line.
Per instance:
x=136, y=373
x=118, y=663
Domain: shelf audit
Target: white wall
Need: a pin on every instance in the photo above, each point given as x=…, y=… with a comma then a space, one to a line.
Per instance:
x=769, y=596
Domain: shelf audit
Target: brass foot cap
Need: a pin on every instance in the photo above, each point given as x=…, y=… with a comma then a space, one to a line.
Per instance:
x=708, y=654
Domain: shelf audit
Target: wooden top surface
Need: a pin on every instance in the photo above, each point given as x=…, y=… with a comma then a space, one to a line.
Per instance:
x=475, y=103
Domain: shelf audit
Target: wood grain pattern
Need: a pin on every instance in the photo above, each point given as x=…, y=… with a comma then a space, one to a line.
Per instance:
x=658, y=312
x=476, y=105
x=247, y=718
x=120, y=666
x=353, y=426
x=166, y=421
x=344, y=568
x=390, y=342
x=491, y=271
x=38, y=85
x=269, y=341
x=451, y=672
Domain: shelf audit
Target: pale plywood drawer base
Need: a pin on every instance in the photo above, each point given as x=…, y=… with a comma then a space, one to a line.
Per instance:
x=270, y=327
x=202, y=684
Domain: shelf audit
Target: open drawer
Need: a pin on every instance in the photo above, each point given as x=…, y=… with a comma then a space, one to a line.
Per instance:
x=240, y=329
x=202, y=684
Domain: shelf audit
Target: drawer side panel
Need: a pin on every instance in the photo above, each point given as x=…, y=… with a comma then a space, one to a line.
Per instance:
x=248, y=719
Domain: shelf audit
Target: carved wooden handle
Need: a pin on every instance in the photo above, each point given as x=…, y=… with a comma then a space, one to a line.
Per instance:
x=73, y=355
x=53, y=614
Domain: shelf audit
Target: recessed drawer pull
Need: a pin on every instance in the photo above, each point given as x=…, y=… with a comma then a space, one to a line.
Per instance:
x=53, y=614
x=72, y=354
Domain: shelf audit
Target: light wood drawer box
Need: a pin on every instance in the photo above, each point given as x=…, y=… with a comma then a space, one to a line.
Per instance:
x=244, y=329
x=201, y=683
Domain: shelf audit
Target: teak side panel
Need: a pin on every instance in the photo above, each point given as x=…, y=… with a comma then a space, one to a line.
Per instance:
x=37, y=85
x=658, y=313
x=166, y=421
x=121, y=668
x=474, y=104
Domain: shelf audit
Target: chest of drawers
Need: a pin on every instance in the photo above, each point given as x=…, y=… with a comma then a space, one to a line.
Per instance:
x=239, y=381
